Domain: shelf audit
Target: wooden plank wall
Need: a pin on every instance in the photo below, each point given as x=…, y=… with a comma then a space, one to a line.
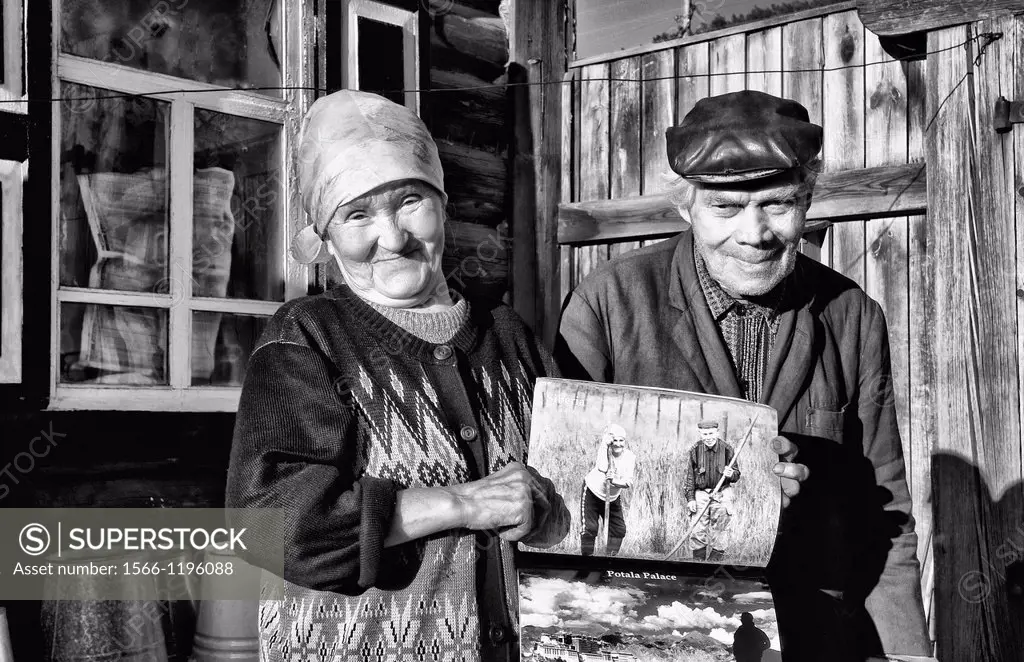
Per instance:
x=951, y=284
x=973, y=235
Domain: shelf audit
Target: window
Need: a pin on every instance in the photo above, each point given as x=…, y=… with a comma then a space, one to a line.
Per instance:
x=174, y=199
x=12, y=176
x=382, y=45
x=12, y=52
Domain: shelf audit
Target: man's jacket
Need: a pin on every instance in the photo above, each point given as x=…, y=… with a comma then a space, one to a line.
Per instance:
x=844, y=574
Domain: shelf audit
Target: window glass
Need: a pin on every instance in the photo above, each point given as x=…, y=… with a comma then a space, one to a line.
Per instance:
x=382, y=59
x=229, y=43
x=114, y=191
x=221, y=345
x=238, y=219
x=124, y=345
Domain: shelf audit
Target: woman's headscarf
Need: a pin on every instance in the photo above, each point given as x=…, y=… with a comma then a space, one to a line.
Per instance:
x=353, y=142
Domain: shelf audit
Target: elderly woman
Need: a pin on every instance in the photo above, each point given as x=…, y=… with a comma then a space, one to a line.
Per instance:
x=389, y=418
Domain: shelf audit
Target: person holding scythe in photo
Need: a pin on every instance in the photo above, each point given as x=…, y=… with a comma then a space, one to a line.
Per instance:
x=602, y=487
x=712, y=472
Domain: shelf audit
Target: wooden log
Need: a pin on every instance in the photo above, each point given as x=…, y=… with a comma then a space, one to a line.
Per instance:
x=728, y=64
x=476, y=259
x=482, y=37
x=445, y=56
x=476, y=117
x=839, y=196
x=889, y=18
x=843, y=106
x=626, y=166
x=480, y=172
x=764, y=61
x=802, y=80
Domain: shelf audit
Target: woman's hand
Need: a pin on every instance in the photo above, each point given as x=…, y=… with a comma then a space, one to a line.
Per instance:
x=515, y=501
x=789, y=472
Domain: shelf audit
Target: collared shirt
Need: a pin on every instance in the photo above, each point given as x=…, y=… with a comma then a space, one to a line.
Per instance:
x=706, y=467
x=748, y=330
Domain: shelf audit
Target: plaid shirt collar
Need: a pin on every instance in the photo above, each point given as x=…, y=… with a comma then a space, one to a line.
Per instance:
x=721, y=302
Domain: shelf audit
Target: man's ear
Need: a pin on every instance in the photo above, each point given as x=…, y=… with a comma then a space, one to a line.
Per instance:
x=684, y=213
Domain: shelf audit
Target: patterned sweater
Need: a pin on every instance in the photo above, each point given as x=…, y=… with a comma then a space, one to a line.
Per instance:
x=340, y=409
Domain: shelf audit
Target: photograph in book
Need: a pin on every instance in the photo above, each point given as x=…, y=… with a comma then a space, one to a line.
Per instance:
x=639, y=616
x=658, y=474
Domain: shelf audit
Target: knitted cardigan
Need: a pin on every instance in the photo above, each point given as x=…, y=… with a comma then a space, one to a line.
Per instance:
x=340, y=409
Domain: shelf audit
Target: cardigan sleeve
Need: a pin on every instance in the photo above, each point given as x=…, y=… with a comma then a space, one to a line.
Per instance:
x=290, y=452
x=894, y=603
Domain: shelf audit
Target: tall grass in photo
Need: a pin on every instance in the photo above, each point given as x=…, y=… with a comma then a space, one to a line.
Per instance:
x=568, y=420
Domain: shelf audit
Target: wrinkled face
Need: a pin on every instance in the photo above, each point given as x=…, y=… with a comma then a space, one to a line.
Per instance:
x=709, y=436
x=389, y=243
x=748, y=233
x=618, y=443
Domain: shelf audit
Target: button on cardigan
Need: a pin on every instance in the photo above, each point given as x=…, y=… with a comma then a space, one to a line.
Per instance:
x=333, y=458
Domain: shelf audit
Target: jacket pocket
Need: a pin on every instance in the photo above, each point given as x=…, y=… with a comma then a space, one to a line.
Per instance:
x=828, y=423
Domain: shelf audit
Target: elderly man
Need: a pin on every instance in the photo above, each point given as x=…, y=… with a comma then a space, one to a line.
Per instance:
x=711, y=461
x=729, y=307
x=602, y=487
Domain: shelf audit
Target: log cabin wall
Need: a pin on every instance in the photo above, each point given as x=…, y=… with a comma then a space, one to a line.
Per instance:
x=951, y=282
x=466, y=106
x=469, y=48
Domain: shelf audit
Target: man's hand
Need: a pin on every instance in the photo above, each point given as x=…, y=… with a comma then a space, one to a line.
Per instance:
x=729, y=472
x=790, y=473
x=692, y=507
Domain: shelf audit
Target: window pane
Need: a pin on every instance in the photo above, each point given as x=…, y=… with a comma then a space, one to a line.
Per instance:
x=382, y=59
x=229, y=43
x=114, y=192
x=113, y=344
x=239, y=222
x=221, y=345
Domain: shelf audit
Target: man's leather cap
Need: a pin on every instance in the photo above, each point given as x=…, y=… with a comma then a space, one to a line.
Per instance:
x=742, y=136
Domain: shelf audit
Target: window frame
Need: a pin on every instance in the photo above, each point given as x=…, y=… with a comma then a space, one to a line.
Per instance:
x=184, y=97
x=14, y=44
x=382, y=12
x=12, y=306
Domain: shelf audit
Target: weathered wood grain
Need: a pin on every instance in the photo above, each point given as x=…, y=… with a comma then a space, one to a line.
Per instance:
x=728, y=57
x=922, y=364
x=896, y=17
x=693, y=82
x=854, y=194
x=887, y=256
x=739, y=28
x=482, y=37
x=658, y=115
x=476, y=259
x=475, y=180
x=570, y=166
x=764, y=61
x=803, y=58
x=594, y=161
x=626, y=165
x=976, y=373
x=537, y=36
x=1018, y=150
x=843, y=107
x=990, y=271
